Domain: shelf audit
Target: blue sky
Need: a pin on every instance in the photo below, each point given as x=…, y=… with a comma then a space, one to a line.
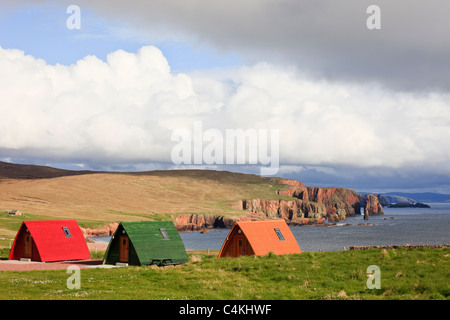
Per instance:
x=358, y=108
x=41, y=31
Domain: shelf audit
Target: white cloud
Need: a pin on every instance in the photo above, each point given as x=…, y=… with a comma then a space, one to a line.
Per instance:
x=124, y=110
x=327, y=38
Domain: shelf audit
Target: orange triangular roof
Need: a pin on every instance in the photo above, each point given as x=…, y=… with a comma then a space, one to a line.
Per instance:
x=263, y=237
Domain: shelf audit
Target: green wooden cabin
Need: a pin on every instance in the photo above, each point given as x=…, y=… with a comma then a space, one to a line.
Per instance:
x=146, y=243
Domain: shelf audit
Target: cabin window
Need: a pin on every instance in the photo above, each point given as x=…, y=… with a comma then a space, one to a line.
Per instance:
x=279, y=234
x=66, y=232
x=164, y=234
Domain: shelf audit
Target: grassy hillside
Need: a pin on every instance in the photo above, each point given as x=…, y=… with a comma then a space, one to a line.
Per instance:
x=419, y=273
x=95, y=199
x=26, y=171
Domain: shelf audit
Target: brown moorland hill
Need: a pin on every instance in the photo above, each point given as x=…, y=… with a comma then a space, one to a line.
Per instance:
x=104, y=197
x=26, y=171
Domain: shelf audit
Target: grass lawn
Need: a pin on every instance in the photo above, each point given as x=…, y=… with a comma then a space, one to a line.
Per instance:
x=414, y=273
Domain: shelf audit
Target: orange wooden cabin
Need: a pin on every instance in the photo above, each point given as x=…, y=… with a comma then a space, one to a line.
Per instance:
x=248, y=238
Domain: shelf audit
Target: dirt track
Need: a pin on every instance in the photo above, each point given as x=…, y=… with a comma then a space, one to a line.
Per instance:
x=14, y=265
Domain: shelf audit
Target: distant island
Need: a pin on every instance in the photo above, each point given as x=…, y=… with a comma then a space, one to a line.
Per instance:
x=401, y=201
x=408, y=205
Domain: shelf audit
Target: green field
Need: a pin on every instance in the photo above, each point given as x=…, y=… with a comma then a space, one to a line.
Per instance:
x=406, y=273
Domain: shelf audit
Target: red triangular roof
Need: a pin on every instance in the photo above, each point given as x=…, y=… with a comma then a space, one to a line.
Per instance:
x=51, y=241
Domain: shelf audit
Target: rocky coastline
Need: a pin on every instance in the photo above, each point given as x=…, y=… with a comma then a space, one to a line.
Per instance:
x=310, y=206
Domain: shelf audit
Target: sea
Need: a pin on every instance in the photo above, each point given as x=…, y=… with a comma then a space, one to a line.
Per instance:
x=398, y=226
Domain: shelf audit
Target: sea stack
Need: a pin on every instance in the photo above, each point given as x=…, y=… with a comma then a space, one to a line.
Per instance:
x=372, y=207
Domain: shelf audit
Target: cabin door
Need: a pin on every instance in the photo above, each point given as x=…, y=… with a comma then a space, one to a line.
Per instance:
x=240, y=243
x=27, y=245
x=124, y=249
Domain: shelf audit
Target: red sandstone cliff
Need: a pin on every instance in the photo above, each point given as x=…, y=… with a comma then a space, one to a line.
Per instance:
x=310, y=205
x=195, y=222
x=200, y=222
x=289, y=210
x=339, y=202
x=373, y=206
x=105, y=231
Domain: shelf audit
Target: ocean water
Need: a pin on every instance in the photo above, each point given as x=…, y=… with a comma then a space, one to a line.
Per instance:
x=416, y=226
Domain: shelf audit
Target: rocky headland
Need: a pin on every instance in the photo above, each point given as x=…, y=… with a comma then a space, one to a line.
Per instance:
x=300, y=206
x=309, y=206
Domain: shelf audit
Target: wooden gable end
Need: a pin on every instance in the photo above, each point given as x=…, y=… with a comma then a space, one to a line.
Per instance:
x=236, y=244
x=259, y=238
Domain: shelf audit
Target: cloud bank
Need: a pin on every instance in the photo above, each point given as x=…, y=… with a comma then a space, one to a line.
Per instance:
x=123, y=111
x=324, y=38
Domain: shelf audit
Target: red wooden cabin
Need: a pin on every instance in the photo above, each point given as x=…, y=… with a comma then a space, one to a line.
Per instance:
x=259, y=238
x=49, y=240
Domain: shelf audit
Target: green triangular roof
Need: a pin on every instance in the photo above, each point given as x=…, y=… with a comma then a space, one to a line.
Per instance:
x=150, y=245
